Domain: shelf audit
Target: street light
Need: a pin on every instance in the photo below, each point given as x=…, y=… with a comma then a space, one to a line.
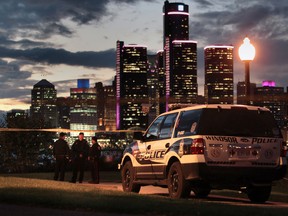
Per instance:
x=247, y=54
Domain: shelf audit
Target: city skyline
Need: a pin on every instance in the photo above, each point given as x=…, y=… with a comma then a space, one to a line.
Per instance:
x=66, y=41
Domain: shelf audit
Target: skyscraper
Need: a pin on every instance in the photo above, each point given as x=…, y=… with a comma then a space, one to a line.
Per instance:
x=110, y=108
x=274, y=98
x=83, y=109
x=153, y=88
x=161, y=88
x=16, y=116
x=218, y=74
x=63, y=107
x=100, y=105
x=43, y=103
x=241, y=95
x=176, y=21
x=180, y=55
x=183, y=76
x=131, y=85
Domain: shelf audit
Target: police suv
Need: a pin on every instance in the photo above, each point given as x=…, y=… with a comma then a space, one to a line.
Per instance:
x=205, y=147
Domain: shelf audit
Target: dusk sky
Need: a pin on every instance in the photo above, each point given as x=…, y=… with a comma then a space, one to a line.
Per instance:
x=65, y=40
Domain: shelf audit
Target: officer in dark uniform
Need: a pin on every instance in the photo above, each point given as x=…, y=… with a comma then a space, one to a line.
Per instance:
x=61, y=153
x=94, y=155
x=80, y=152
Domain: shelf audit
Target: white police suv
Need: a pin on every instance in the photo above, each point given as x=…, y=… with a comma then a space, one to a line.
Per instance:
x=207, y=147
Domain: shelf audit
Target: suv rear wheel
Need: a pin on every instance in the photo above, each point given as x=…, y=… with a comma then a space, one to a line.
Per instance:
x=258, y=194
x=177, y=185
x=127, y=175
x=201, y=189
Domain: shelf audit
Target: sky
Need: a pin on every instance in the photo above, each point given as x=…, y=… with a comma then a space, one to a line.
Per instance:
x=66, y=40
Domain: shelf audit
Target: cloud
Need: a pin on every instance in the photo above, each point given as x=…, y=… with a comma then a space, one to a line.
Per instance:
x=12, y=79
x=42, y=19
x=11, y=71
x=228, y=23
x=24, y=43
x=264, y=23
x=60, y=56
x=259, y=20
x=26, y=28
x=203, y=3
x=64, y=86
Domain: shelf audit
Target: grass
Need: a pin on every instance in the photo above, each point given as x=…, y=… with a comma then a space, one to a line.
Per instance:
x=39, y=190
x=106, y=176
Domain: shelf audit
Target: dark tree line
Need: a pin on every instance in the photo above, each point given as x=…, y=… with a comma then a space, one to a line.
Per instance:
x=24, y=151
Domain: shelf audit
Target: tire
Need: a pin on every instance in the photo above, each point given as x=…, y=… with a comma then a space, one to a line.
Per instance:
x=127, y=175
x=258, y=194
x=178, y=187
x=201, y=190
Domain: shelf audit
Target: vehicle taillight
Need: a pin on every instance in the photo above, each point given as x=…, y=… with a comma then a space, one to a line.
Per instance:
x=284, y=149
x=197, y=146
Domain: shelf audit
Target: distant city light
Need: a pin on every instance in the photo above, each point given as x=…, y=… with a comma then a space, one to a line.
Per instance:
x=218, y=46
x=177, y=13
x=134, y=45
x=181, y=7
x=83, y=83
x=183, y=41
x=268, y=83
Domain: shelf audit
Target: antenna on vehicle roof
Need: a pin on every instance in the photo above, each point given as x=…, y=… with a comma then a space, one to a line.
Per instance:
x=259, y=110
x=219, y=108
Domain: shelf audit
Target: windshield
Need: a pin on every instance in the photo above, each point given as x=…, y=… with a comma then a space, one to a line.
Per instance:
x=238, y=122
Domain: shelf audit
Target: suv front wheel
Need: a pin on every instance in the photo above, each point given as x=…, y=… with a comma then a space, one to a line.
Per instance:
x=177, y=185
x=127, y=175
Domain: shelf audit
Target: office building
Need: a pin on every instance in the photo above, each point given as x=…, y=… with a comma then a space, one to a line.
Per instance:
x=241, y=95
x=152, y=108
x=176, y=21
x=180, y=56
x=109, y=121
x=160, y=71
x=83, y=109
x=273, y=98
x=43, y=104
x=181, y=82
x=16, y=118
x=218, y=87
x=131, y=85
x=63, y=107
x=100, y=105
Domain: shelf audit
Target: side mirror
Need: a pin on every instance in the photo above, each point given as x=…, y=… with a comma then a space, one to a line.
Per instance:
x=138, y=135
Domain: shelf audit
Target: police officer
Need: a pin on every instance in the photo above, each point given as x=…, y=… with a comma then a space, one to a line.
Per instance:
x=94, y=155
x=61, y=153
x=80, y=151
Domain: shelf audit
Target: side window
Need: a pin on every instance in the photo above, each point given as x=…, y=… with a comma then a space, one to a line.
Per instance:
x=154, y=129
x=167, y=126
x=188, y=123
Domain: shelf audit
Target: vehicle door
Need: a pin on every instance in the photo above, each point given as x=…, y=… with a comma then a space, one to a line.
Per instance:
x=144, y=171
x=157, y=148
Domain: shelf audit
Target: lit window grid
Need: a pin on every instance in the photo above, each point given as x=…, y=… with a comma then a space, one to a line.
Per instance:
x=219, y=73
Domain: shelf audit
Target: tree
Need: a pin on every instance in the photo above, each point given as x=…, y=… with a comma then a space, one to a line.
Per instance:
x=20, y=151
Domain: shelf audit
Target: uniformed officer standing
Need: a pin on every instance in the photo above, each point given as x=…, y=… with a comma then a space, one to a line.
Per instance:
x=80, y=151
x=94, y=155
x=61, y=153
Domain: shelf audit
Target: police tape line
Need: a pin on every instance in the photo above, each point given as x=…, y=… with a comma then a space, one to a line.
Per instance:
x=64, y=130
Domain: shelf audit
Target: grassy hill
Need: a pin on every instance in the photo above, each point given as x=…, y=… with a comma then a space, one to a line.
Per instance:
x=38, y=190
